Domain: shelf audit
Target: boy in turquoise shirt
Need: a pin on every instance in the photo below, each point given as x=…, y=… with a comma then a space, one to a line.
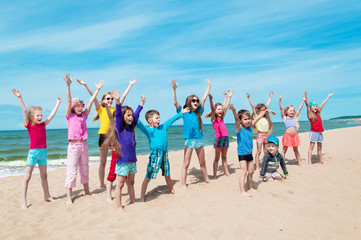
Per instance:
x=157, y=137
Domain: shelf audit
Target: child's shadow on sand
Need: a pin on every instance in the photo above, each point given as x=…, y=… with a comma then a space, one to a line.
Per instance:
x=314, y=159
x=291, y=162
x=76, y=194
x=197, y=173
x=159, y=190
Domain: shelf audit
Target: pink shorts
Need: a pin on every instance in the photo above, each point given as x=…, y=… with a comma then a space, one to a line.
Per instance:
x=291, y=140
x=262, y=137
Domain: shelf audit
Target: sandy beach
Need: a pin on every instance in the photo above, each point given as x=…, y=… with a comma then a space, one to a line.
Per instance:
x=315, y=202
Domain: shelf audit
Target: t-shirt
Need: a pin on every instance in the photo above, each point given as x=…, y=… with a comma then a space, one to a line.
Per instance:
x=37, y=134
x=126, y=137
x=191, y=127
x=262, y=125
x=244, y=141
x=316, y=126
x=77, y=128
x=104, y=119
x=157, y=137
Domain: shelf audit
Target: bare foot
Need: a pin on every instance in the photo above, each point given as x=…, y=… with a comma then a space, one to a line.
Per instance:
x=49, y=199
x=121, y=209
x=207, y=180
x=215, y=177
x=69, y=202
x=246, y=195
x=172, y=191
x=228, y=174
x=109, y=200
x=24, y=206
x=102, y=187
x=322, y=162
x=88, y=193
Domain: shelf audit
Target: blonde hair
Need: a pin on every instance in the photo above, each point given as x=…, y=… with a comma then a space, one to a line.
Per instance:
x=258, y=108
x=208, y=115
x=312, y=116
x=286, y=109
x=96, y=118
x=31, y=112
x=188, y=104
x=111, y=140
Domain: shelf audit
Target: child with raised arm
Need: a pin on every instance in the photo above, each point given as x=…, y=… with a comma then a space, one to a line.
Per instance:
x=104, y=127
x=221, y=142
x=264, y=126
x=291, y=137
x=244, y=126
x=271, y=162
x=78, y=153
x=316, y=133
x=158, y=143
x=126, y=164
x=192, y=131
x=33, y=121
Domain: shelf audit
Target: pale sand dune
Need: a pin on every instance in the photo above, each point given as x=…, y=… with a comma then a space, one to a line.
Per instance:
x=316, y=202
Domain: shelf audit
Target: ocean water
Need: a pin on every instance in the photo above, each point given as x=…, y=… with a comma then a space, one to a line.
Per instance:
x=14, y=145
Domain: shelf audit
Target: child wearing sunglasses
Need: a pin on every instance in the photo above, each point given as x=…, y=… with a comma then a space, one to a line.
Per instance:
x=103, y=129
x=192, y=131
x=78, y=153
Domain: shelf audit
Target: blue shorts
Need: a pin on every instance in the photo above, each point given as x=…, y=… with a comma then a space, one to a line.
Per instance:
x=124, y=169
x=37, y=156
x=193, y=143
x=221, y=142
x=158, y=159
x=316, y=137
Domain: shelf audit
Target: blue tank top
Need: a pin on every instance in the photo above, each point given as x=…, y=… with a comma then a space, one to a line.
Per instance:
x=290, y=122
x=244, y=141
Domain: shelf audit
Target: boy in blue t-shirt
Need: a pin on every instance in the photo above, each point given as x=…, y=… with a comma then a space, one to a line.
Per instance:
x=157, y=137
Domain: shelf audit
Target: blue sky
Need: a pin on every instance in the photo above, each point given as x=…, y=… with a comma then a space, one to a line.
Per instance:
x=248, y=46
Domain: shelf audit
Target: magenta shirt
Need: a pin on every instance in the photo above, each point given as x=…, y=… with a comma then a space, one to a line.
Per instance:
x=220, y=128
x=77, y=129
x=37, y=135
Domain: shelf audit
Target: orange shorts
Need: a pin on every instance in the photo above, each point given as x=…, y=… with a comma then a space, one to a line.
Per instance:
x=291, y=140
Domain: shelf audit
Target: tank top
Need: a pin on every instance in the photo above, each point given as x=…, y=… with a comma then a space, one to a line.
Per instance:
x=244, y=141
x=316, y=126
x=290, y=122
x=219, y=128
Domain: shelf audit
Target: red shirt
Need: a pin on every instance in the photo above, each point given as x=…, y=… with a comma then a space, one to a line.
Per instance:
x=37, y=135
x=316, y=126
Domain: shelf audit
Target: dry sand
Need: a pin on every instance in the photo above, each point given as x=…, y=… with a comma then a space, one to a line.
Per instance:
x=315, y=202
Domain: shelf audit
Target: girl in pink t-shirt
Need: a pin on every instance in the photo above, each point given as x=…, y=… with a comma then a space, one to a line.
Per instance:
x=221, y=142
x=33, y=121
x=78, y=153
x=314, y=115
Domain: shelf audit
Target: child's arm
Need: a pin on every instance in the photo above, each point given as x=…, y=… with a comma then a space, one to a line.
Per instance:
x=138, y=110
x=264, y=167
x=307, y=104
x=142, y=128
x=259, y=116
x=283, y=166
x=281, y=108
x=109, y=113
x=131, y=83
x=236, y=118
x=225, y=107
x=251, y=103
x=204, y=98
x=68, y=81
x=300, y=108
x=174, y=86
x=98, y=87
x=269, y=99
x=179, y=115
x=213, y=109
x=322, y=104
x=96, y=102
x=23, y=107
x=52, y=114
x=118, y=110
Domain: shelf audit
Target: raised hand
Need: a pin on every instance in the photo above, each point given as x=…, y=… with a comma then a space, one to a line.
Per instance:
x=271, y=94
x=58, y=100
x=185, y=110
x=16, y=92
x=304, y=98
x=100, y=84
x=208, y=82
x=132, y=82
x=116, y=94
x=225, y=94
x=230, y=93
x=331, y=94
x=281, y=96
x=232, y=107
x=270, y=111
x=142, y=99
x=67, y=79
x=248, y=95
x=305, y=93
x=81, y=82
x=210, y=96
x=174, y=84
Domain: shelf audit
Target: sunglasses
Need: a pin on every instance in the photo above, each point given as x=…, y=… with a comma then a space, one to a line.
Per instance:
x=108, y=98
x=195, y=100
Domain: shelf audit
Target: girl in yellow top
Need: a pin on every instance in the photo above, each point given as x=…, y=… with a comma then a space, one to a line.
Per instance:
x=263, y=127
x=104, y=127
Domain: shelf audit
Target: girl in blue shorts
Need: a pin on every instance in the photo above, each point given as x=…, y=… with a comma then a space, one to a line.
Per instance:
x=33, y=121
x=192, y=131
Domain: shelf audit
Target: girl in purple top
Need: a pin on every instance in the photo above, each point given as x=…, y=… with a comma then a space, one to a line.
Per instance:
x=78, y=153
x=125, y=122
x=221, y=142
x=33, y=121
